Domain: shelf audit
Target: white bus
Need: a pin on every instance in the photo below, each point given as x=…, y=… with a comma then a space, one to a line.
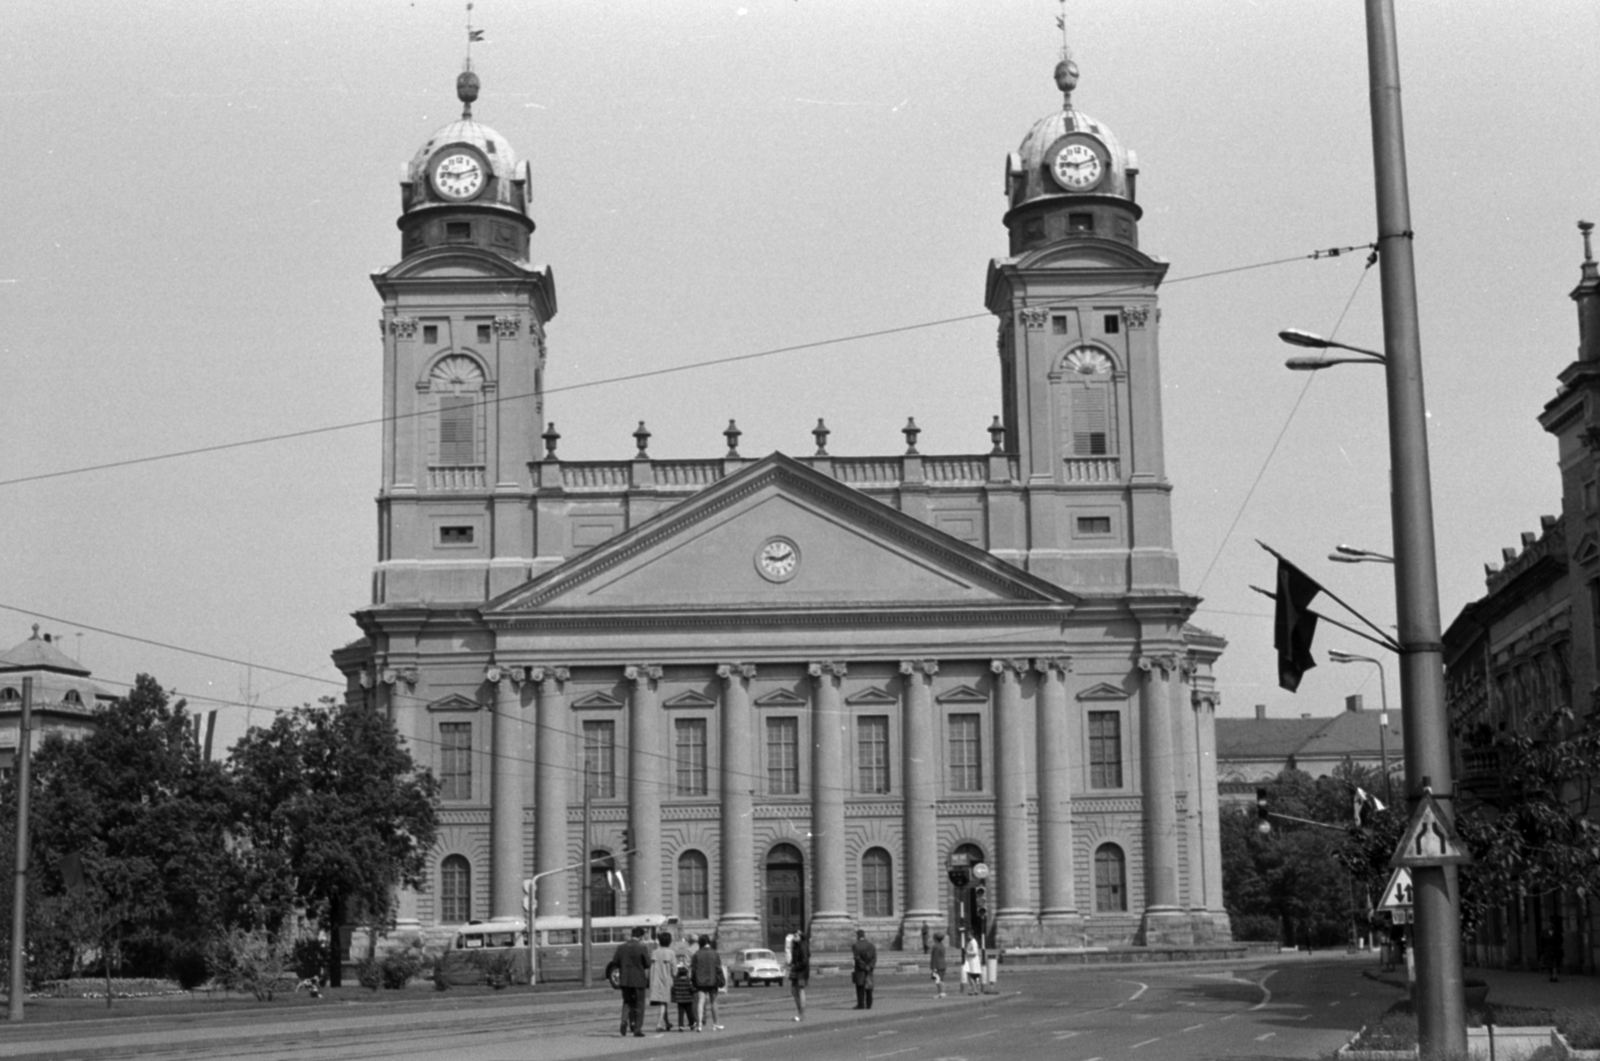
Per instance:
x=558, y=942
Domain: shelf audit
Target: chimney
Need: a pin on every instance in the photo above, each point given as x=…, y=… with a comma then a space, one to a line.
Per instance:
x=1587, y=296
x=1352, y=703
x=1261, y=711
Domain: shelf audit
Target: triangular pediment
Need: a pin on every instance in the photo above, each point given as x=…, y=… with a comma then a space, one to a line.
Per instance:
x=780, y=535
x=1587, y=551
x=780, y=698
x=963, y=694
x=1103, y=691
x=689, y=698
x=871, y=698
x=454, y=702
x=596, y=700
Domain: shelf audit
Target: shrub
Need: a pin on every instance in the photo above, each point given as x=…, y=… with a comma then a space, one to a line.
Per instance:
x=369, y=974
x=189, y=966
x=397, y=967
x=497, y=970
x=257, y=961
x=1580, y=1026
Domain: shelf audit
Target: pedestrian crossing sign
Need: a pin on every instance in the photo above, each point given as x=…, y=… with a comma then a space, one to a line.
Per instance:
x=1430, y=839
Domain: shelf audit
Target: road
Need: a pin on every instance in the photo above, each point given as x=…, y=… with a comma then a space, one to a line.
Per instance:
x=1282, y=1008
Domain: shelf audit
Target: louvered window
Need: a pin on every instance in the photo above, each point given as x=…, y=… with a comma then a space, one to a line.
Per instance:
x=456, y=422
x=1091, y=422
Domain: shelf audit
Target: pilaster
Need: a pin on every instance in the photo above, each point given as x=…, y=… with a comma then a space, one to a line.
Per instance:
x=1058, y=908
x=1016, y=919
x=921, y=785
x=505, y=794
x=552, y=773
x=1164, y=921
x=831, y=924
x=738, y=926
x=646, y=787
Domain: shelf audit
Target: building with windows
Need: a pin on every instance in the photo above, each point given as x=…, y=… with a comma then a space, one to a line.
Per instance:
x=797, y=688
x=64, y=699
x=1254, y=751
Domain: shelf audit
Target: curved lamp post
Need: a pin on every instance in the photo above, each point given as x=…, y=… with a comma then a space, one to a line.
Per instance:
x=1349, y=554
x=1383, y=716
x=1297, y=337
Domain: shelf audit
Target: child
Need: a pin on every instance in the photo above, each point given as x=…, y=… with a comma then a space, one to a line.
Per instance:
x=683, y=995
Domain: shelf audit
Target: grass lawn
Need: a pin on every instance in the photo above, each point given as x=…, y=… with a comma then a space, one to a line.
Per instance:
x=1396, y=1028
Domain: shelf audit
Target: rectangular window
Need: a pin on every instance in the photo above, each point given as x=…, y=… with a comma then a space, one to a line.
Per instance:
x=1058, y=325
x=966, y=750
x=877, y=884
x=430, y=333
x=1113, y=324
x=691, y=756
x=1094, y=525
x=1105, y=749
x=1090, y=422
x=600, y=757
x=483, y=333
x=458, y=231
x=693, y=893
x=872, y=754
x=456, y=421
x=1080, y=222
x=455, y=760
x=783, y=756
x=455, y=535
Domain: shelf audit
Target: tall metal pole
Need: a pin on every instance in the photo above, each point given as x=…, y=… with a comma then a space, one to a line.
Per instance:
x=1383, y=733
x=19, y=897
x=1441, y=1009
x=585, y=948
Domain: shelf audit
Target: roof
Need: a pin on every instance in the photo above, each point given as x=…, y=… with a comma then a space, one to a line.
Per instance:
x=40, y=653
x=1349, y=733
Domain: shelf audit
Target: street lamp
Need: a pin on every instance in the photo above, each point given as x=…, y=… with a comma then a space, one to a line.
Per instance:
x=1383, y=715
x=1297, y=337
x=1349, y=554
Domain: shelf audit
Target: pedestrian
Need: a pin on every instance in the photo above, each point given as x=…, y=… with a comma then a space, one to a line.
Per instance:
x=788, y=947
x=662, y=960
x=1551, y=952
x=705, y=972
x=865, y=957
x=683, y=994
x=936, y=963
x=799, y=972
x=924, y=937
x=633, y=975
x=972, y=967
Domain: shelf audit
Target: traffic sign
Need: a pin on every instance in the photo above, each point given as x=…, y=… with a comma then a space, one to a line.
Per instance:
x=1430, y=839
x=981, y=870
x=1397, y=893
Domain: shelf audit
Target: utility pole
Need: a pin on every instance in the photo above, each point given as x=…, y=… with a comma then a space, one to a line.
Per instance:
x=587, y=948
x=1441, y=1009
x=19, y=897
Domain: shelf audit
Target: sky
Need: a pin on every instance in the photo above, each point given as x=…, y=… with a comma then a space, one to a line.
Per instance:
x=196, y=194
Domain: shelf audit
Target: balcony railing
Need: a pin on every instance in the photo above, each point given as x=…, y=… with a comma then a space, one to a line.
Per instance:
x=456, y=477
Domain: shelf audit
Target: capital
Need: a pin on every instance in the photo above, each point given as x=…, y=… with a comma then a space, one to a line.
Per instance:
x=1059, y=664
x=408, y=675
x=1166, y=664
x=732, y=672
x=558, y=675
x=507, y=326
x=1206, y=701
x=1014, y=666
x=492, y=674
x=930, y=667
x=642, y=672
x=831, y=668
x=1034, y=317
x=366, y=678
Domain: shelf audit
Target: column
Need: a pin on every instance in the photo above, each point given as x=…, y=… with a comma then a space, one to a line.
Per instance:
x=1164, y=923
x=738, y=926
x=505, y=795
x=1015, y=918
x=647, y=771
x=831, y=923
x=1058, y=907
x=1205, y=723
x=1183, y=729
x=920, y=782
x=552, y=776
x=397, y=706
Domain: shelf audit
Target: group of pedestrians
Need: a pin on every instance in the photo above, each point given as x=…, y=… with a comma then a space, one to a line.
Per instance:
x=663, y=978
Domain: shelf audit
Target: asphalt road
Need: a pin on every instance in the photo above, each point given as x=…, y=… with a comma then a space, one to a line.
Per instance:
x=1283, y=1008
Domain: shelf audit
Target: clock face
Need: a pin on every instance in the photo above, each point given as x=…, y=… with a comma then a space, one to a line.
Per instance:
x=778, y=559
x=458, y=175
x=1076, y=166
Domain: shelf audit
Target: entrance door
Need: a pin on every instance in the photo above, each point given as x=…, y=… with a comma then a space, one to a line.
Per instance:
x=785, y=894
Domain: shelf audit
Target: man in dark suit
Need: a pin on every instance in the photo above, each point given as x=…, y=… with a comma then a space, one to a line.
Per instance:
x=633, y=973
x=865, y=957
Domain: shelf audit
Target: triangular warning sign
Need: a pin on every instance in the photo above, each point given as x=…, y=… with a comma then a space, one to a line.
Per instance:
x=1430, y=839
x=1397, y=893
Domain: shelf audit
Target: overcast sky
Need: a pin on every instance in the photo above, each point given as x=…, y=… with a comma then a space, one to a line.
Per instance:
x=195, y=195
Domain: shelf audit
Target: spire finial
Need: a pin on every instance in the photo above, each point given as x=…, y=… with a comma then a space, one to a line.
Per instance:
x=467, y=83
x=1587, y=228
x=1066, y=69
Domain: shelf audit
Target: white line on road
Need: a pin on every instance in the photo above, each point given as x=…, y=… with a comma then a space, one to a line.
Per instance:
x=1266, y=992
x=978, y=1035
x=1335, y=1002
x=886, y=1031
x=1147, y=1042
x=1065, y=1035
x=1142, y=989
x=891, y=1053
x=1228, y=1017
x=1264, y=1038
x=1194, y=1027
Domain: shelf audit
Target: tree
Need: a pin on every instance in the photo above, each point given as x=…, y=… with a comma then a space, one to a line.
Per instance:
x=148, y=819
x=332, y=816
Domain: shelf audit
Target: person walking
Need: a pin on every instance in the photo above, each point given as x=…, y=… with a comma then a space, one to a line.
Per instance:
x=972, y=967
x=936, y=962
x=1552, y=952
x=799, y=972
x=662, y=959
x=705, y=972
x=865, y=956
x=633, y=974
x=683, y=994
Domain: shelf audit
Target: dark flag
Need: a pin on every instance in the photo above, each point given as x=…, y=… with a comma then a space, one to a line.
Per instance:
x=1294, y=625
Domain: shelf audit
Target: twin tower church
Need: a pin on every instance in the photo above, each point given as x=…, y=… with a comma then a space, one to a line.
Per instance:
x=798, y=687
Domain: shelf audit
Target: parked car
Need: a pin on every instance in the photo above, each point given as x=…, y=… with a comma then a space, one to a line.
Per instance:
x=755, y=966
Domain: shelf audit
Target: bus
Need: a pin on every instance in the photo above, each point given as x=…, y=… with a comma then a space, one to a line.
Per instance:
x=558, y=942
x=487, y=952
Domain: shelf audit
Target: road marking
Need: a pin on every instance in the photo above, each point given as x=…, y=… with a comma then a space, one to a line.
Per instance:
x=1353, y=994
x=1266, y=992
x=1228, y=1017
x=1065, y=1035
x=1304, y=1016
x=1142, y=989
x=964, y=1038
x=1335, y=1002
x=1143, y=1016
x=1147, y=1042
x=886, y=1031
x=1264, y=1038
x=1194, y=1027
x=891, y=1053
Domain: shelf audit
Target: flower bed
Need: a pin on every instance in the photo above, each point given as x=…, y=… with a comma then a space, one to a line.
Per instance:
x=121, y=987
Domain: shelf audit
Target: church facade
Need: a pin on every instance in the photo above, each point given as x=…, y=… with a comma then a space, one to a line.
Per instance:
x=796, y=688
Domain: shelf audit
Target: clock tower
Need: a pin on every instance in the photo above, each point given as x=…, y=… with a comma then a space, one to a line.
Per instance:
x=464, y=314
x=1081, y=386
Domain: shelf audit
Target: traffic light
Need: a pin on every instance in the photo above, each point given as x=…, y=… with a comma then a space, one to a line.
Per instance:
x=627, y=848
x=980, y=908
x=1264, y=822
x=527, y=897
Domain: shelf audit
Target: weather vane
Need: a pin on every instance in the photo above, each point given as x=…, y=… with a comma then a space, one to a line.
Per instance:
x=1066, y=69
x=467, y=83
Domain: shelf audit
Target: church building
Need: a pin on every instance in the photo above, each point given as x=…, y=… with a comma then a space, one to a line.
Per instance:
x=798, y=687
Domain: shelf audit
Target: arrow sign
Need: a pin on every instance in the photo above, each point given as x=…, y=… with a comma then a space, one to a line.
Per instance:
x=1397, y=893
x=1430, y=839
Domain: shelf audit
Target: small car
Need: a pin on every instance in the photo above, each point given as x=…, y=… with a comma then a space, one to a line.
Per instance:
x=755, y=966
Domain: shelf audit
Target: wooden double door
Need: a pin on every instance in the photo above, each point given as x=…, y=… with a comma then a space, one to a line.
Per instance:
x=785, y=895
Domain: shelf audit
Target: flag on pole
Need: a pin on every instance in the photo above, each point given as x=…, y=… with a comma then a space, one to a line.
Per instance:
x=1294, y=624
x=474, y=36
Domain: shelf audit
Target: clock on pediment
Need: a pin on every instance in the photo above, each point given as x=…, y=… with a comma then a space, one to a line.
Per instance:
x=778, y=559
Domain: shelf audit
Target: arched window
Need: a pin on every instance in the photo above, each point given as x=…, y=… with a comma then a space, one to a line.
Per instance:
x=457, y=381
x=1087, y=374
x=455, y=890
x=693, y=898
x=877, y=884
x=10, y=693
x=972, y=854
x=602, y=897
x=72, y=697
x=1110, y=880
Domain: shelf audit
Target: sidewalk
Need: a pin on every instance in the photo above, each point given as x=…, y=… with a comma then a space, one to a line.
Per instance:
x=1517, y=987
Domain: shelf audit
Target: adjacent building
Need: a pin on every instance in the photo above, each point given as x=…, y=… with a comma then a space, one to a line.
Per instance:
x=797, y=687
x=1253, y=751
x=64, y=700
